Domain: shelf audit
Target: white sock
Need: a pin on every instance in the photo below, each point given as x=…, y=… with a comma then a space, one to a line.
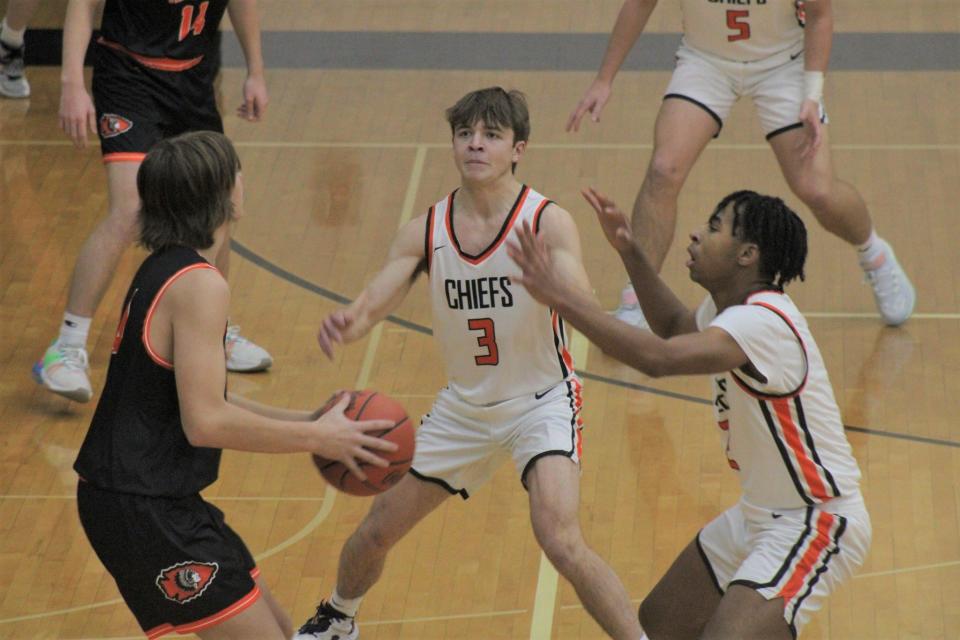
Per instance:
x=11, y=38
x=348, y=606
x=74, y=330
x=871, y=253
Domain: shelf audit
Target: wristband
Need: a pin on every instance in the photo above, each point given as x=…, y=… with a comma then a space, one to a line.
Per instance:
x=813, y=85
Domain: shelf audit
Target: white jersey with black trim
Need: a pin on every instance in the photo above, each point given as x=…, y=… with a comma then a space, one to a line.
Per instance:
x=743, y=30
x=779, y=422
x=497, y=342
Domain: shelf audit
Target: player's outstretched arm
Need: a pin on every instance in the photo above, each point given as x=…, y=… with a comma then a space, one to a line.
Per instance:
x=77, y=113
x=195, y=306
x=382, y=295
x=667, y=315
x=246, y=24
x=709, y=351
x=630, y=22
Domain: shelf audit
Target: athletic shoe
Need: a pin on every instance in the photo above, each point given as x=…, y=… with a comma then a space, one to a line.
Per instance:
x=63, y=370
x=892, y=291
x=328, y=624
x=13, y=84
x=244, y=356
x=629, y=310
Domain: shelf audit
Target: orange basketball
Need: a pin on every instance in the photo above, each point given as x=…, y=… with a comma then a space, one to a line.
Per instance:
x=371, y=405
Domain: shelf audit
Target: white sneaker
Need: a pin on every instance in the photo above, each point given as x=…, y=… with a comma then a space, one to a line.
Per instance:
x=629, y=310
x=244, y=356
x=892, y=290
x=63, y=370
x=328, y=624
x=13, y=83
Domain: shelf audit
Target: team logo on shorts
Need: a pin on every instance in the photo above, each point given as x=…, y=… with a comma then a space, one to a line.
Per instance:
x=113, y=125
x=187, y=580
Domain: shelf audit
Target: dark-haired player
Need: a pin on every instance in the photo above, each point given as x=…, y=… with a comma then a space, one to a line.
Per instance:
x=156, y=437
x=800, y=528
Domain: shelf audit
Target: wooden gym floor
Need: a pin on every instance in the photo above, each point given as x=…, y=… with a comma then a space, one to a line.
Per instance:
x=343, y=158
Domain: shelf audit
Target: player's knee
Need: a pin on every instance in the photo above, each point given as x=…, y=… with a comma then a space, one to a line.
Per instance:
x=374, y=535
x=815, y=193
x=562, y=545
x=124, y=224
x=665, y=172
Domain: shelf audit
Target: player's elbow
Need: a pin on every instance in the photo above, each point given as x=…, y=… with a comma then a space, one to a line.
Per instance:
x=201, y=431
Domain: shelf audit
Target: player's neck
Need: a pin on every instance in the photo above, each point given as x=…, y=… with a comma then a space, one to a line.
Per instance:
x=737, y=292
x=220, y=236
x=488, y=199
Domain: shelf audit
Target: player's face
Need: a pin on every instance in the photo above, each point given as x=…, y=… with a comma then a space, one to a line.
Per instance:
x=714, y=249
x=485, y=154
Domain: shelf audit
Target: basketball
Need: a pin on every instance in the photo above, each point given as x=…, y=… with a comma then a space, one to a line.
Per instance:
x=372, y=405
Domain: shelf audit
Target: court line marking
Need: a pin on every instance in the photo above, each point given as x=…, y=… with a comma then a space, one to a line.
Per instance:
x=591, y=146
x=68, y=496
x=923, y=567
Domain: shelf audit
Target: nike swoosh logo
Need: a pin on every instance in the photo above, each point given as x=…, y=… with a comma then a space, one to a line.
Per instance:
x=776, y=515
x=435, y=249
x=540, y=395
x=796, y=55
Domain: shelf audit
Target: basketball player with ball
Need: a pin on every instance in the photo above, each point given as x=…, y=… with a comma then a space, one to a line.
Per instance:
x=155, y=439
x=512, y=388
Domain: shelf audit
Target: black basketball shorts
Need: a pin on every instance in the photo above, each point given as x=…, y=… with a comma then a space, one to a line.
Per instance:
x=138, y=106
x=178, y=566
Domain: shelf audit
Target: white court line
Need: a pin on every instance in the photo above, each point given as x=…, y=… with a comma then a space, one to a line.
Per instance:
x=594, y=146
x=70, y=496
x=852, y=314
x=924, y=567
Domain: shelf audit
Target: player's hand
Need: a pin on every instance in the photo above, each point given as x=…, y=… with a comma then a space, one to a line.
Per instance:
x=592, y=102
x=255, y=99
x=77, y=113
x=347, y=441
x=812, y=129
x=538, y=275
x=332, y=329
x=613, y=221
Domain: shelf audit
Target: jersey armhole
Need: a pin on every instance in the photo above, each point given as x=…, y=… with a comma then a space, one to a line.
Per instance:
x=153, y=306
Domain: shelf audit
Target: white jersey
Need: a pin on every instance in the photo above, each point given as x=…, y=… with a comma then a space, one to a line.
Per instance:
x=497, y=341
x=779, y=422
x=743, y=30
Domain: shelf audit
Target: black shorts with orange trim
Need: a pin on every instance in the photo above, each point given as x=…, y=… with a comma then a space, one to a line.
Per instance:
x=138, y=106
x=177, y=564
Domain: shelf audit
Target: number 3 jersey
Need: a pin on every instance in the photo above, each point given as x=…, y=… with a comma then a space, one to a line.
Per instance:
x=779, y=422
x=743, y=30
x=497, y=341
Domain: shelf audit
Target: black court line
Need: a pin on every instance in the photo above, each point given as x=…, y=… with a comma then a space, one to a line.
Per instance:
x=294, y=279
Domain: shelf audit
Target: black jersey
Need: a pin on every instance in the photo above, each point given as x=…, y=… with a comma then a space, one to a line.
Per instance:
x=174, y=34
x=136, y=442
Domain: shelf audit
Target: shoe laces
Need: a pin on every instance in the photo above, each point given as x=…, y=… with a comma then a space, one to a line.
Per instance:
x=233, y=335
x=325, y=616
x=884, y=279
x=73, y=357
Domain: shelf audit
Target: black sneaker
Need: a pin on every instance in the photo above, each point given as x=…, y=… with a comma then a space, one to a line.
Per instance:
x=328, y=624
x=13, y=84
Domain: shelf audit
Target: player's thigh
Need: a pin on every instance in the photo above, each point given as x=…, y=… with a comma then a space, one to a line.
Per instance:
x=684, y=599
x=258, y=621
x=682, y=131
x=395, y=512
x=122, y=196
x=553, y=483
x=746, y=615
x=806, y=176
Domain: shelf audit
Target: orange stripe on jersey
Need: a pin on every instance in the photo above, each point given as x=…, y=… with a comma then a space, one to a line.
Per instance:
x=792, y=435
x=217, y=618
x=561, y=342
x=124, y=156
x=809, y=561
x=536, y=216
x=160, y=64
x=153, y=306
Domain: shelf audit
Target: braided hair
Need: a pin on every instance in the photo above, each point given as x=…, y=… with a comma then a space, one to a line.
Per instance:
x=777, y=231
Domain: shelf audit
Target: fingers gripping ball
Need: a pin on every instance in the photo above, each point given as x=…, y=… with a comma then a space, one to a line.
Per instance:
x=371, y=405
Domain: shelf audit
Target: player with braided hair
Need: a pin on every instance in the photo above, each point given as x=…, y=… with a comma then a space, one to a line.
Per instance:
x=760, y=568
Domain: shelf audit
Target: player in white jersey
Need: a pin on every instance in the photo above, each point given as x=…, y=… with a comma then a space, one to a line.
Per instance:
x=776, y=53
x=800, y=527
x=512, y=388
